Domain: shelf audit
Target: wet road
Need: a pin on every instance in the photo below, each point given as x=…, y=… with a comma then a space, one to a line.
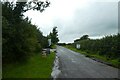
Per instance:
x=75, y=65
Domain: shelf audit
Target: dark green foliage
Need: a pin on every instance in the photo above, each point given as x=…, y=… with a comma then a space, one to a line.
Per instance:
x=84, y=37
x=61, y=44
x=20, y=38
x=54, y=36
x=107, y=46
x=38, y=5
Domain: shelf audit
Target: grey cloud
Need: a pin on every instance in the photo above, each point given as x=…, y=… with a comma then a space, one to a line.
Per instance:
x=99, y=19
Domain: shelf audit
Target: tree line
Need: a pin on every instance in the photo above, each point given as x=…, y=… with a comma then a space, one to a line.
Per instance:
x=20, y=38
x=107, y=46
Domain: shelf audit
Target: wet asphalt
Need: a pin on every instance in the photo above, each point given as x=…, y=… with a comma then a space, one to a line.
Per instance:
x=76, y=65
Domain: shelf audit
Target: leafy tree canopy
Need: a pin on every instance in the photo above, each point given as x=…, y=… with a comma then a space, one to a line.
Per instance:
x=54, y=36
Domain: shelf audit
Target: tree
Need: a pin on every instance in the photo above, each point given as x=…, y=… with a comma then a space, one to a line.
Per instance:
x=84, y=37
x=20, y=38
x=54, y=36
x=16, y=10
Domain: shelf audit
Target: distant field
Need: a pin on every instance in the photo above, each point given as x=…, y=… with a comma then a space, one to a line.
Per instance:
x=113, y=62
x=37, y=67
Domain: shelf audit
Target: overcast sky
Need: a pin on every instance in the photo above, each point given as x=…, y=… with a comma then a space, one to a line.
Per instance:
x=74, y=18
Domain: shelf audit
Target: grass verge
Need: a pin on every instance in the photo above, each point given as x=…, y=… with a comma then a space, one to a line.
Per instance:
x=53, y=46
x=111, y=62
x=36, y=67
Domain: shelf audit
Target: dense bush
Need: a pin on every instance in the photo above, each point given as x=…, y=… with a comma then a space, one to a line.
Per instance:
x=20, y=39
x=107, y=46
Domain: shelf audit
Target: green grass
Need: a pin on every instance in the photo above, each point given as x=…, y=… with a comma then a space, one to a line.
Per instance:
x=113, y=62
x=53, y=46
x=36, y=67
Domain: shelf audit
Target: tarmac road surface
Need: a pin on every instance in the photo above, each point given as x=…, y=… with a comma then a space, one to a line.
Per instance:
x=76, y=65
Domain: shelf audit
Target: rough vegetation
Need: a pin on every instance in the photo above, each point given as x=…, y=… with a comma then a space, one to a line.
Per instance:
x=107, y=46
x=36, y=67
x=20, y=38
